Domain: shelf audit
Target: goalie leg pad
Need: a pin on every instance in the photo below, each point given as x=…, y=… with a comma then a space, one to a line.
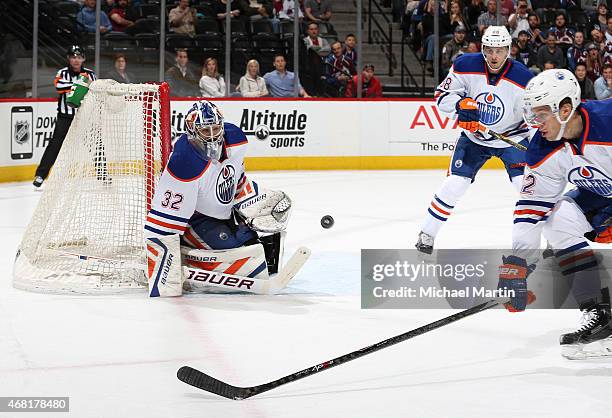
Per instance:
x=164, y=270
x=249, y=262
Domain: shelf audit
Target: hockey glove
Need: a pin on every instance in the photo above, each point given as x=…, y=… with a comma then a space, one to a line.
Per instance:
x=602, y=224
x=467, y=111
x=513, y=277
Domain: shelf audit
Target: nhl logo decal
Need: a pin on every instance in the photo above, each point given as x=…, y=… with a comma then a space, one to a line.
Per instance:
x=225, y=184
x=22, y=132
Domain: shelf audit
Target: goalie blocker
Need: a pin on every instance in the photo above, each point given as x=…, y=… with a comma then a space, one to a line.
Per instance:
x=173, y=268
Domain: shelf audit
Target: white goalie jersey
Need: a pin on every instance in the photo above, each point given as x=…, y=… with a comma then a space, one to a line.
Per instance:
x=191, y=184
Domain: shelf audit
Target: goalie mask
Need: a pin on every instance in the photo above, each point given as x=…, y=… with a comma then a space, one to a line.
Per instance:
x=204, y=127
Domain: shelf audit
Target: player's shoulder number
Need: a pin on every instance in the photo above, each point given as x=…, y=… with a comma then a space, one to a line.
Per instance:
x=172, y=200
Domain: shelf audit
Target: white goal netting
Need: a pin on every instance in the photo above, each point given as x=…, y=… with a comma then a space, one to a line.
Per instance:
x=86, y=234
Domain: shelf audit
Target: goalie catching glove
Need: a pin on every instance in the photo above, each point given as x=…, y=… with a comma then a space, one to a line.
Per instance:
x=263, y=210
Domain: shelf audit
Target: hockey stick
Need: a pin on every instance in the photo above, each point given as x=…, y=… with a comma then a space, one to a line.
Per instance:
x=501, y=137
x=205, y=382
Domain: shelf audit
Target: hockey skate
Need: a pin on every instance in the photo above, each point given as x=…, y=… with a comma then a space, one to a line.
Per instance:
x=594, y=337
x=425, y=243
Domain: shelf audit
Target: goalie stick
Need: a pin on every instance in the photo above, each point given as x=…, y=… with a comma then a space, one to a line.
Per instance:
x=205, y=382
x=238, y=283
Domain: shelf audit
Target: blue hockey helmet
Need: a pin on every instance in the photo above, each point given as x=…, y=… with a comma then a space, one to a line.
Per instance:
x=204, y=127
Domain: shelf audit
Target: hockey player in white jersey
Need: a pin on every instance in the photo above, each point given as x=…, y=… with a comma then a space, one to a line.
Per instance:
x=483, y=91
x=204, y=198
x=573, y=144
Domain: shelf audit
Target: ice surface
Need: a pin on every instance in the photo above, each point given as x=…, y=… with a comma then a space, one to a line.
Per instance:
x=117, y=356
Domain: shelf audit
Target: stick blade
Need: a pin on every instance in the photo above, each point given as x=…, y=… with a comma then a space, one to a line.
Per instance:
x=205, y=382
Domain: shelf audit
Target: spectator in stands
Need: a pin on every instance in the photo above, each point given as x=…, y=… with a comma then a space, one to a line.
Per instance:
x=564, y=37
x=286, y=13
x=519, y=21
x=577, y=52
x=106, y=7
x=316, y=43
x=119, y=73
x=601, y=17
x=514, y=50
x=568, y=5
x=551, y=52
x=125, y=19
x=589, y=6
x=258, y=9
x=370, y=85
x=489, y=17
x=318, y=10
x=235, y=10
x=338, y=69
x=64, y=79
x=608, y=29
x=607, y=57
x=426, y=28
x=537, y=37
x=526, y=53
x=473, y=47
x=280, y=81
x=594, y=62
x=598, y=39
x=212, y=83
x=455, y=17
x=86, y=19
x=603, y=85
x=251, y=83
x=587, y=90
x=349, y=48
x=474, y=10
x=182, y=19
x=543, y=6
x=183, y=80
x=549, y=65
x=453, y=47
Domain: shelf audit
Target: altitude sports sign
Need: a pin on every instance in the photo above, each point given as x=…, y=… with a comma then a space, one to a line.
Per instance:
x=282, y=134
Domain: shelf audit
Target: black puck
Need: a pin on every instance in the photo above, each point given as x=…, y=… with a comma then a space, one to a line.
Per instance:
x=327, y=222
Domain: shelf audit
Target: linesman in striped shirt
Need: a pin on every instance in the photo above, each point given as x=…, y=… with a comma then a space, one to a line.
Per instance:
x=63, y=83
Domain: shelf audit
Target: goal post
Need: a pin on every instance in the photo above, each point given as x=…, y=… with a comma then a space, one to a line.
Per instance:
x=87, y=232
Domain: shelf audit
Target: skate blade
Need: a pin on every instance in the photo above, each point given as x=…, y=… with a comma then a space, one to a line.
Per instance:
x=596, y=349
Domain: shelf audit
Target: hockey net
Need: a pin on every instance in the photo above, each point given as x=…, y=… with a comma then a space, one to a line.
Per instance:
x=86, y=234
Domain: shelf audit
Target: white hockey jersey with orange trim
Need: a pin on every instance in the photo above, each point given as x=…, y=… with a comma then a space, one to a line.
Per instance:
x=498, y=96
x=551, y=165
x=191, y=184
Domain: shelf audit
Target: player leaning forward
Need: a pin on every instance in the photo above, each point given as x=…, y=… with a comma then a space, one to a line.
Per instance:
x=482, y=90
x=573, y=144
x=204, y=199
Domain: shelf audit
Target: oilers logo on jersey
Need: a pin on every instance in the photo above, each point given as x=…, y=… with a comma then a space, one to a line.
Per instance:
x=591, y=179
x=226, y=181
x=490, y=107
